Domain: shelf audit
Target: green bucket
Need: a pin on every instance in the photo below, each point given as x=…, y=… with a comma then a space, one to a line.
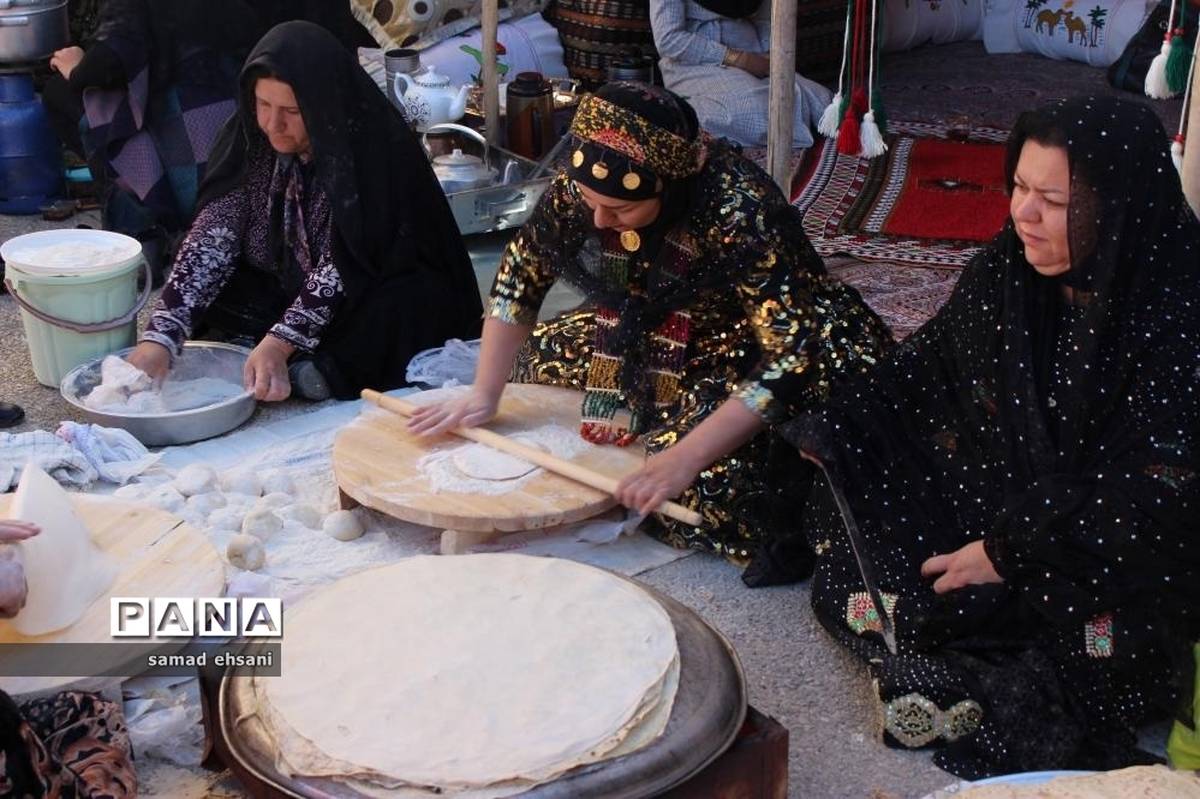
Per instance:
x=78, y=294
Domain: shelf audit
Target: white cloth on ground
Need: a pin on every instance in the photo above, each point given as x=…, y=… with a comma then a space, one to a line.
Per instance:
x=50, y=453
x=730, y=102
x=116, y=455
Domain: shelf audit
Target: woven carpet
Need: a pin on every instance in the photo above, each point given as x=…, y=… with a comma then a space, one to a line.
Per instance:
x=929, y=201
x=905, y=297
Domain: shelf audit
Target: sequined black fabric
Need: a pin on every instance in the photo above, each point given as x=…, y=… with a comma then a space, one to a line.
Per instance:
x=1065, y=437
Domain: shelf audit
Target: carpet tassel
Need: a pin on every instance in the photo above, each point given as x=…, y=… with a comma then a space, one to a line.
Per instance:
x=871, y=139
x=1156, y=76
x=828, y=126
x=1177, y=153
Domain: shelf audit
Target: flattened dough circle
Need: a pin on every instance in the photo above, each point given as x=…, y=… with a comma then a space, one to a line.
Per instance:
x=481, y=462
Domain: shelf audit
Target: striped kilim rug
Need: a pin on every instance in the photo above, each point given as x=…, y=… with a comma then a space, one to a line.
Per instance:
x=933, y=199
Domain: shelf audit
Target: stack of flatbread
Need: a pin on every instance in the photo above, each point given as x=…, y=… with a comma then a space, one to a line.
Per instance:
x=475, y=675
x=1139, y=782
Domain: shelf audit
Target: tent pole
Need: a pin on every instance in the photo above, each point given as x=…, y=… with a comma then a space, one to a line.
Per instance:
x=491, y=80
x=781, y=117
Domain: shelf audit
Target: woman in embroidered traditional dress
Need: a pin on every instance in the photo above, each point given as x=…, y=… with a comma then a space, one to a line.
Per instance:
x=709, y=317
x=322, y=235
x=1023, y=469
x=73, y=745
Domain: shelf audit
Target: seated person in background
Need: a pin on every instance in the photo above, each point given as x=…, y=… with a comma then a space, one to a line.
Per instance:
x=322, y=234
x=709, y=317
x=1023, y=469
x=714, y=53
x=70, y=745
x=150, y=94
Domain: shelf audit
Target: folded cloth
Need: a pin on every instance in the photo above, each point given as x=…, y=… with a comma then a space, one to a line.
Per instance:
x=115, y=454
x=56, y=457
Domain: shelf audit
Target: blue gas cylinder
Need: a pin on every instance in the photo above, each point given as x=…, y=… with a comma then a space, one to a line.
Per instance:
x=30, y=159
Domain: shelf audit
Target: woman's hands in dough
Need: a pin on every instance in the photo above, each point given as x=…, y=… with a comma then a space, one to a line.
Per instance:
x=266, y=373
x=65, y=60
x=470, y=410
x=12, y=572
x=664, y=477
x=967, y=566
x=152, y=358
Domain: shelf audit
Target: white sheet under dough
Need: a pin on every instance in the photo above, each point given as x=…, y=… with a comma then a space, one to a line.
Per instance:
x=65, y=571
x=470, y=671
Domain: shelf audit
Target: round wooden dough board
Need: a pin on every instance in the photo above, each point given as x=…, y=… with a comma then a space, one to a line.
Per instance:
x=160, y=556
x=375, y=463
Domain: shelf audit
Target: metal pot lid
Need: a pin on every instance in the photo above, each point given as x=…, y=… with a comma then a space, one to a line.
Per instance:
x=460, y=164
x=21, y=6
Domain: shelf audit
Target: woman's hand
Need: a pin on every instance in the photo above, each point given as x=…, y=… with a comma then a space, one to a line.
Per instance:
x=65, y=60
x=756, y=64
x=664, y=477
x=968, y=566
x=152, y=358
x=13, y=587
x=265, y=372
x=470, y=410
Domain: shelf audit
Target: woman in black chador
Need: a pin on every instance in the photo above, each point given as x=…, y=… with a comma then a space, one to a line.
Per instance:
x=1023, y=469
x=322, y=237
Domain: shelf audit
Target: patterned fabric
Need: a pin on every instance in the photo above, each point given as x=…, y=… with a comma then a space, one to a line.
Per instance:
x=1098, y=636
x=692, y=42
x=772, y=329
x=861, y=614
x=594, y=32
x=897, y=210
x=421, y=24
x=234, y=232
x=70, y=746
x=615, y=128
x=905, y=297
x=916, y=721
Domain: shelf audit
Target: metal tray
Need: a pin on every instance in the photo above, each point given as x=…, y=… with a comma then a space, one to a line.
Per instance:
x=709, y=709
x=179, y=427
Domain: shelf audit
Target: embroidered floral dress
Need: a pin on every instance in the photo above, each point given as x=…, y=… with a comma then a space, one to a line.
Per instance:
x=233, y=232
x=764, y=323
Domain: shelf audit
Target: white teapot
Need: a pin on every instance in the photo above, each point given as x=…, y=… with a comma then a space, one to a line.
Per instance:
x=429, y=99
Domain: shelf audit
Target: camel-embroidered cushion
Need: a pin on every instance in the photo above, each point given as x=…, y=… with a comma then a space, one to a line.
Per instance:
x=912, y=23
x=422, y=23
x=1092, y=31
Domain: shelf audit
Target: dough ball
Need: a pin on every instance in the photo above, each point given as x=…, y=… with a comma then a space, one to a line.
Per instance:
x=278, y=483
x=245, y=552
x=204, y=504
x=261, y=523
x=306, y=515
x=167, y=498
x=226, y=518
x=132, y=491
x=246, y=483
x=275, y=500
x=195, y=479
x=342, y=525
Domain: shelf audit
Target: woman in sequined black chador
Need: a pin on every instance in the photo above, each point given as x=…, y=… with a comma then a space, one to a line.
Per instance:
x=713, y=294
x=1032, y=451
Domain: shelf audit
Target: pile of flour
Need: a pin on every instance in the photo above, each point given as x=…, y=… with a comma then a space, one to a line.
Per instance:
x=125, y=389
x=75, y=254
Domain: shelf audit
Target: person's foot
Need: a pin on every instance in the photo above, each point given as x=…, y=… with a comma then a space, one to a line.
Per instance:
x=307, y=381
x=11, y=415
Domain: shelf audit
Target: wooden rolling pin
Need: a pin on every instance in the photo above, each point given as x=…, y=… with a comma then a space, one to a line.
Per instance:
x=560, y=466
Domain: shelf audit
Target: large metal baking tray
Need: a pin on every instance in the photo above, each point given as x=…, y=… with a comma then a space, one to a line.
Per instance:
x=709, y=709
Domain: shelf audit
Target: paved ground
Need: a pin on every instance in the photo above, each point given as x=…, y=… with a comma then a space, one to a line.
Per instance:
x=795, y=672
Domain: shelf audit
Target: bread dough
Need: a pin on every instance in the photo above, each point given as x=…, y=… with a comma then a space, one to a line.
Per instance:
x=133, y=491
x=275, y=500
x=204, y=504
x=342, y=525
x=195, y=479
x=261, y=523
x=306, y=515
x=1151, y=782
x=482, y=462
x=245, y=552
x=278, y=483
x=64, y=570
x=242, y=483
x=226, y=518
x=563, y=684
x=167, y=498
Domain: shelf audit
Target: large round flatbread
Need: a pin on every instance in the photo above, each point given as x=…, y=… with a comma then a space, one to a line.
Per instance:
x=482, y=462
x=458, y=673
x=1139, y=782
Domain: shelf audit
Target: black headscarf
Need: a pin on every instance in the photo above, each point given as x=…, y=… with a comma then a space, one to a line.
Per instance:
x=952, y=436
x=390, y=216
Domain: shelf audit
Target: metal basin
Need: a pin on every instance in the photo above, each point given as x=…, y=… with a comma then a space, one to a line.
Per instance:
x=32, y=29
x=199, y=359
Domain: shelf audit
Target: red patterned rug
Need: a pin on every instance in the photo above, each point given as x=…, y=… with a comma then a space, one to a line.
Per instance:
x=930, y=201
x=905, y=297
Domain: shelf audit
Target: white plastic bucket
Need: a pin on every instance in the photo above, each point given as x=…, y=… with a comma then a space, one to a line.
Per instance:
x=78, y=295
